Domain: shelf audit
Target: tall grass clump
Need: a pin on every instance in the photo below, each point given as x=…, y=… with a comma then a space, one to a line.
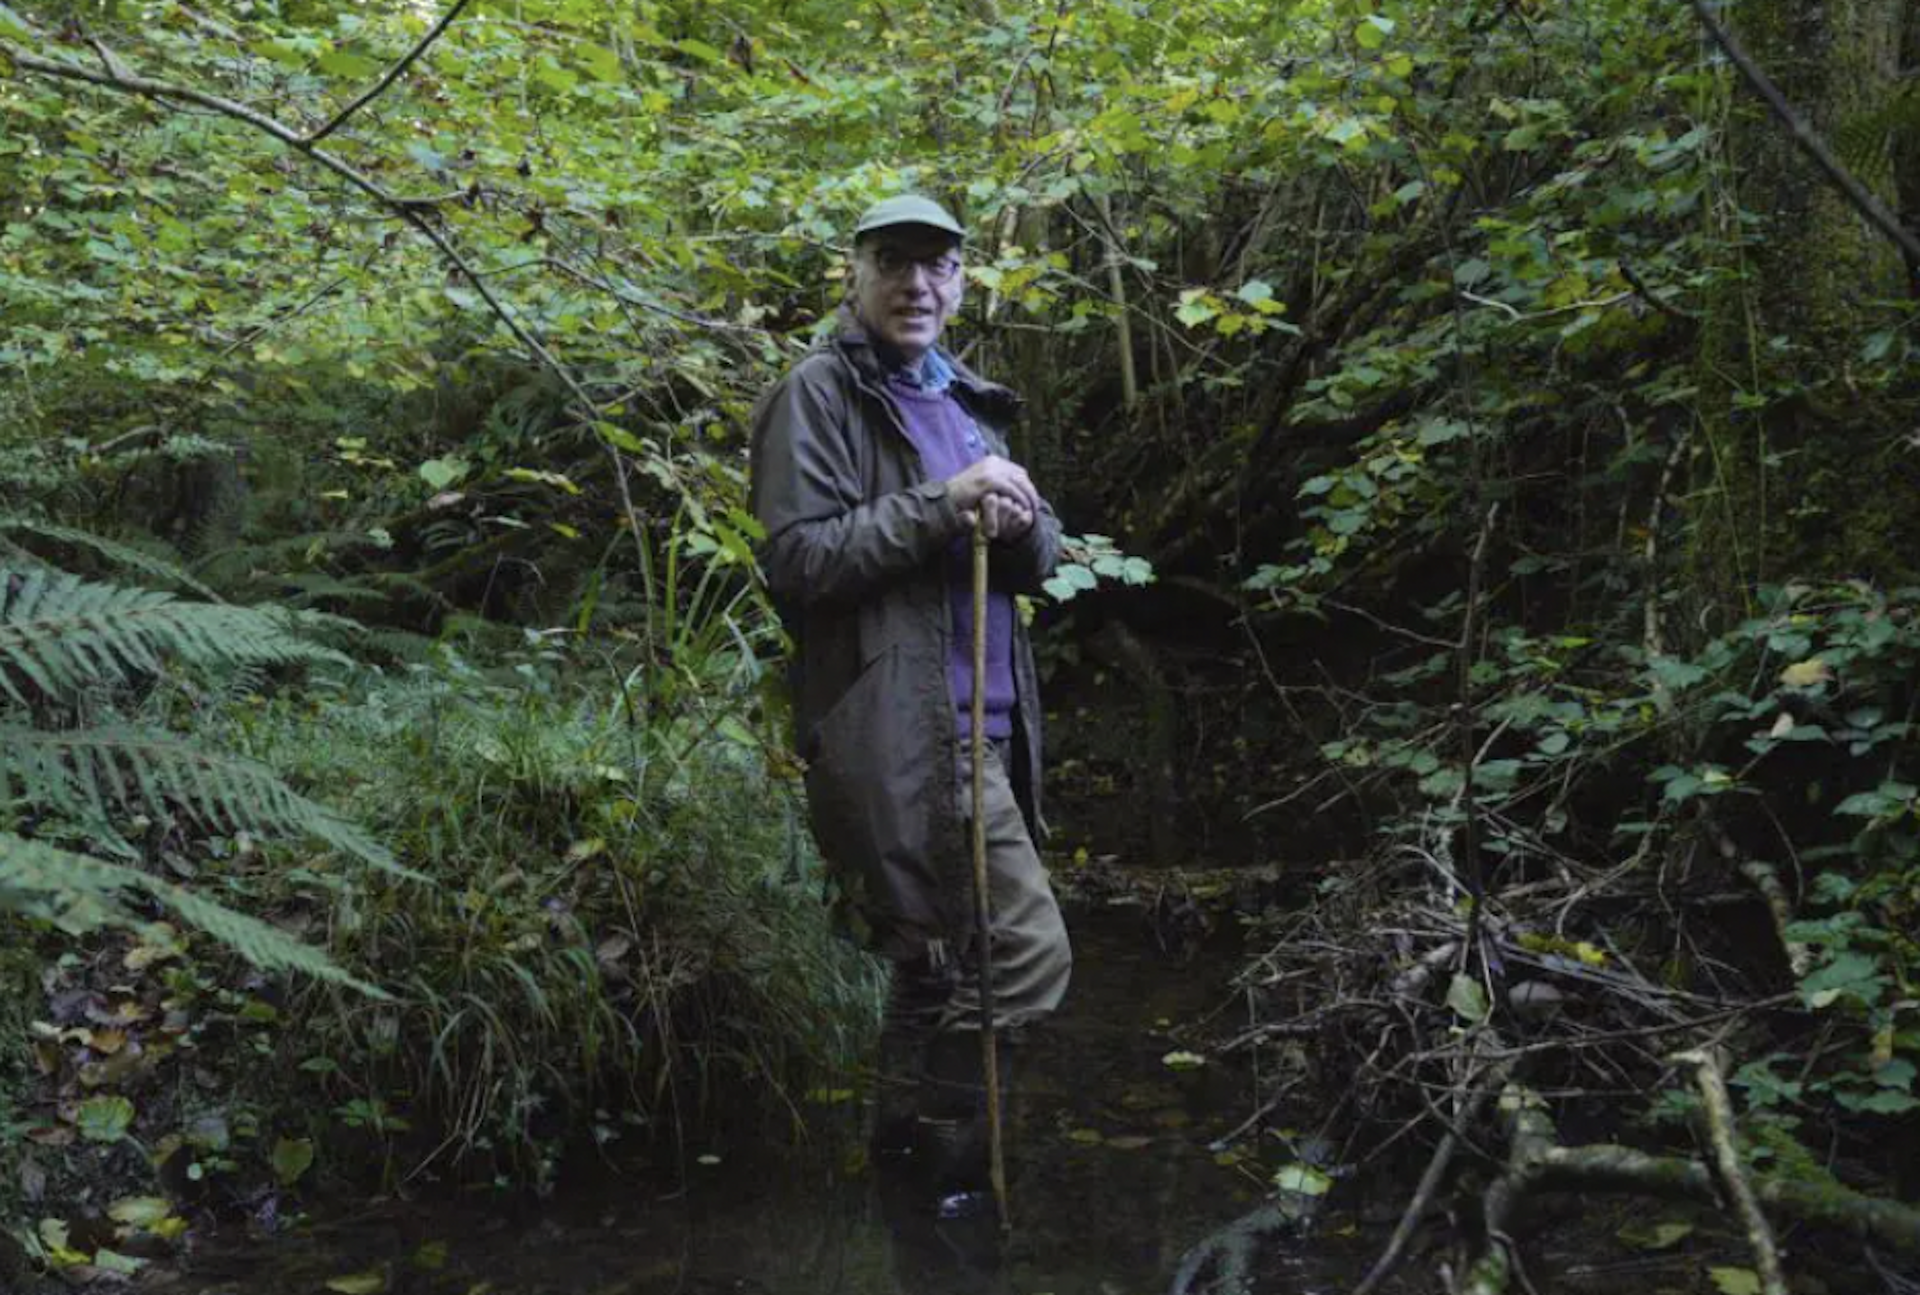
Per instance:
x=621, y=920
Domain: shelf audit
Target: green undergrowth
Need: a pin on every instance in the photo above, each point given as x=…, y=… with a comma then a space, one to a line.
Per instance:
x=619, y=928
x=605, y=936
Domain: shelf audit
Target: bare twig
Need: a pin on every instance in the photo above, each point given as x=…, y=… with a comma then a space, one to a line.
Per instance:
x=1472, y=865
x=1472, y=1103
x=393, y=74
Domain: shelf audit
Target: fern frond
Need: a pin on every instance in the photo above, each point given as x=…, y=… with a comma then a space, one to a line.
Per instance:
x=156, y=569
x=73, y=891
x=269, y=560
x=41, y=880
x=60, y=634
x=311, y=586
x=1866, y=141
x=88, y=773
x=402, y=645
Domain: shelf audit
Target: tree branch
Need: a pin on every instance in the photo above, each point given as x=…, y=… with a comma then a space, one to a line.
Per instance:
x=393, y=74
x=162, y=91
x=1733, y=1174
x=147, y=88
x=1811, y=144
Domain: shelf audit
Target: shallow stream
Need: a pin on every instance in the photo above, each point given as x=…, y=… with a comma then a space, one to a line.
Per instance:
x=1112, y=1180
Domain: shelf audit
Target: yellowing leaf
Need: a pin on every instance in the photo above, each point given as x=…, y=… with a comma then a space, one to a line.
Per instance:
x=1657, y=1236
x=1802, y=674
x=1304, y=1179
x=1086, y=1137
x=543, y=477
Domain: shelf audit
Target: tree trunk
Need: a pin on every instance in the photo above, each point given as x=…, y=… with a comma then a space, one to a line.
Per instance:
x=1794, y=317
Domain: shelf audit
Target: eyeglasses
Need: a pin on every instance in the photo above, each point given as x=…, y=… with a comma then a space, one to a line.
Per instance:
x=895, y=264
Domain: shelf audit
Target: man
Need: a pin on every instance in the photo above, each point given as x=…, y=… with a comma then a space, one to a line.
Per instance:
x=871, y=461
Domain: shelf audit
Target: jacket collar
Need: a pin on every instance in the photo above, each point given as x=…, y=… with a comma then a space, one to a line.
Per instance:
x=851, y=339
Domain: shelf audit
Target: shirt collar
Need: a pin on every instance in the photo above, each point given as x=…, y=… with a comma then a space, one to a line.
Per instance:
x=934, y=376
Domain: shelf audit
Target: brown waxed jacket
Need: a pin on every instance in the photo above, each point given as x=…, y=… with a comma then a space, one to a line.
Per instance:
x=854, y=553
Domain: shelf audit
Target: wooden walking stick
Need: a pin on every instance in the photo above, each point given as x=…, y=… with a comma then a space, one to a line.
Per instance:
x=982, y=904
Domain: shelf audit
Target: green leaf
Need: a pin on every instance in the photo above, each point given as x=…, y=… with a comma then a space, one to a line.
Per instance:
x=1183, y=1061
x=602, y=64
x=112, y=1261
x=1735, y=1281
x=441, y=473
x=1255, y=291
x=1849, y=975
x=1192, y=313
x=292, y=1157
x=556, y=78
x=104, y=1119
x=345, y=63
x=1468, y=998
x=140, y=1211
x=621, y=439
x=1882, y=1101
x=1889, y=798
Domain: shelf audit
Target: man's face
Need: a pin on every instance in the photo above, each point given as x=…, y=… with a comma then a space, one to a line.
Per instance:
x=906, y=282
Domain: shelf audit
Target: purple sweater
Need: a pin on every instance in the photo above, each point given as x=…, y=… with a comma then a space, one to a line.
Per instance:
x=948, y=443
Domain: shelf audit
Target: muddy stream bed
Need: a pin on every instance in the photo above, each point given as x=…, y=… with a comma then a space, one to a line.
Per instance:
x=1113, y=1178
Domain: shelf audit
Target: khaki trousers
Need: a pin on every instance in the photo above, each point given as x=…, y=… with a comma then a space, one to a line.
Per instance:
x=1032, y=960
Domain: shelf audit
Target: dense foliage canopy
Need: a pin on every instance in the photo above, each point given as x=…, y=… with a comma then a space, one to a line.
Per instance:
x=1515, y=412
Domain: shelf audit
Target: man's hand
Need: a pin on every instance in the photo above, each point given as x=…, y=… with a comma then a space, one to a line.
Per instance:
x=1000, y=492
x=1005, y=519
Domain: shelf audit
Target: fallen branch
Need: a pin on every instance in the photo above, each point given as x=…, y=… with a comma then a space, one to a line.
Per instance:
x=1467, y=1115
x=1537, y=1165
x=1733, y=1174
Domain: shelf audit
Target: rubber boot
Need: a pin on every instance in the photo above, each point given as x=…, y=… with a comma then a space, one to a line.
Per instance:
x=953, y=1133
x=916, y=1002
